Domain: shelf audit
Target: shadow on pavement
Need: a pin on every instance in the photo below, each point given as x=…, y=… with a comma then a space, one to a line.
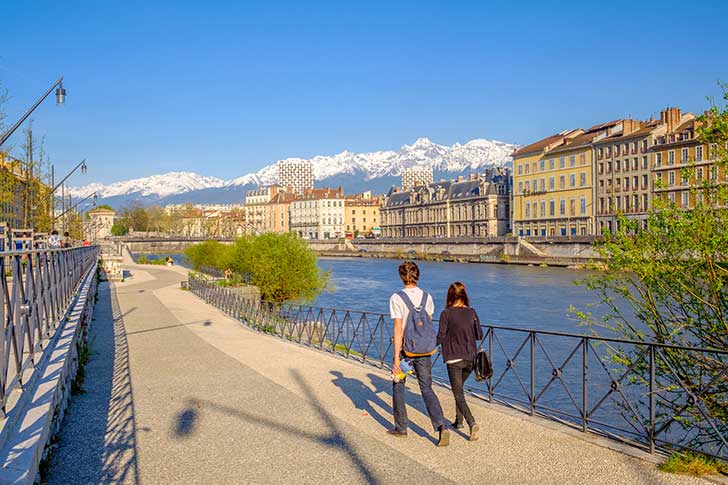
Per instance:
x=364, y=398
x=97, y=440
x=331, y=436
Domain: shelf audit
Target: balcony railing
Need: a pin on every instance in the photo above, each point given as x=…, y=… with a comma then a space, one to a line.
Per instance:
x=574, y=379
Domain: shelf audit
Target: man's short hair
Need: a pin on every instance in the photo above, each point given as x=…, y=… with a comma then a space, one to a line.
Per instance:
x=409, y=272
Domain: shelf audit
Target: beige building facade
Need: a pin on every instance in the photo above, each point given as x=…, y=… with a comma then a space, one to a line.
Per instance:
x=361, y=214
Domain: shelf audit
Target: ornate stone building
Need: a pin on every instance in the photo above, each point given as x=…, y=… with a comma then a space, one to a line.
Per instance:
x=476, y=207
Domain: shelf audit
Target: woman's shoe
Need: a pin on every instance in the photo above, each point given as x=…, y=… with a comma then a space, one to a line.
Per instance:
x=397, y=433
x=474, y=432
x=457, y=425
x=444, y=437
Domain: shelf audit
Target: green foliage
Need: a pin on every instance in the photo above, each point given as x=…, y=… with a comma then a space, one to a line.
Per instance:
x=282, y=266
x=692, y=464
x=669, y=283
x=105, y=206
x=143, y=259
x=210, y=253
x=120, y=228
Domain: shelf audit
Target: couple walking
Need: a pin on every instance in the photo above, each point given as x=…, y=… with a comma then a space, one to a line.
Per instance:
x=415, y=342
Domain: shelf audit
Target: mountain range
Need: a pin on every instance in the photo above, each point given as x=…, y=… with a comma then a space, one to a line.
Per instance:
x=355, y=172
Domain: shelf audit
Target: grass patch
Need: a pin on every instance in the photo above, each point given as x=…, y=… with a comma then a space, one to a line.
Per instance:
x=144, y=260
x=84, y=354
x=693, y=464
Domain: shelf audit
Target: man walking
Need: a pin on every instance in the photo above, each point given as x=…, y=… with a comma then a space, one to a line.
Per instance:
x=415, y=339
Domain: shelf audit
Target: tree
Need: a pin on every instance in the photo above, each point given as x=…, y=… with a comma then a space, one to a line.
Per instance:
x=120, y=228
x=669, y=284
x=282, y=266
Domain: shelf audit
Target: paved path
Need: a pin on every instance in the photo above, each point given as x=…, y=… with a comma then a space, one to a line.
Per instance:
x=177, y=392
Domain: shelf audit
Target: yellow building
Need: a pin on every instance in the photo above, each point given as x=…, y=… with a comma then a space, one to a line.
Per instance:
x=530, y=184
x=361, y=214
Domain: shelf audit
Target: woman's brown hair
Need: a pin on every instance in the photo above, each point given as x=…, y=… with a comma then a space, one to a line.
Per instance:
x=456, y=292
x=409, y=272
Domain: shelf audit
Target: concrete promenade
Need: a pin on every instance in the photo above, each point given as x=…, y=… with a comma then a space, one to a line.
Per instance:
x=177, y=392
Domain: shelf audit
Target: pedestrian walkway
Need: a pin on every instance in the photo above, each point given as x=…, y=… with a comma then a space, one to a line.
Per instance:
x=177, y=392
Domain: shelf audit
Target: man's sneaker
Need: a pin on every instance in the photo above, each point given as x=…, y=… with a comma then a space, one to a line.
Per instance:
x=474, y=431
x=444, y=437
x=397, y=433
x=458, y=425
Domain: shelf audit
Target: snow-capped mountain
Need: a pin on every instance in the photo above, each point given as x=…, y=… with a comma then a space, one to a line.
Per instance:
x=156, y=185
x=473, y=155
x=375, y=171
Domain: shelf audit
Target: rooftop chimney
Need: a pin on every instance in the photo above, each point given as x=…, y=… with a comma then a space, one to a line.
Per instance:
x=671, y=118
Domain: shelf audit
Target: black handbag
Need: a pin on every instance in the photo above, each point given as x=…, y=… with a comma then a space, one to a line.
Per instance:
x=481, y=364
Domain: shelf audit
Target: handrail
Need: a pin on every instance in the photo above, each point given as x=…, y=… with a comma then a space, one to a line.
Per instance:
x=569, y=378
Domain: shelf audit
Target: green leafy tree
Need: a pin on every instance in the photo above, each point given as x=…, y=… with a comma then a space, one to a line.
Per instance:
x=668, y=283
x=120, y=228
x=213, y=254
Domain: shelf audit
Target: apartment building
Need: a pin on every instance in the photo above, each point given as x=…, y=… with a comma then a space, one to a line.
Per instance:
x=623, y=172
x=361, y=214
x=415, y=176
x=318, y=214
x=475, y=207
x=296, y=174
x=279, y=212
x=683, y=166
x=536, y=177
x=257, y=208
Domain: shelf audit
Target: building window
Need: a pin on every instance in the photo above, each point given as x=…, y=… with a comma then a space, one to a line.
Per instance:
x=582, y=179
x=582, y=159
x=658, y=159
x=635, y=164
x=572, y=180
x=626, y=183
x=528, y=211
x=543, y=209
x=671, y=178
x=552, y=208
x=551, y=183
x=684, y=157
x=520, y=187
x=551, y=164
x=671, y=157
x=644, y=201
x=644, y=182
x=562, y=182
x=543, y=185
x=528, y=168
x=562, y=207
x=562, y=162
x=572, y=161
x=644, y=162
x=698, y=153
x=582, y=205
x=685, y=198
x=543, y=165
x=520, y=169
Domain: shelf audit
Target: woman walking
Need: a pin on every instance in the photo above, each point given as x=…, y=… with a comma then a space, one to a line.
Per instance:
x=458, y=335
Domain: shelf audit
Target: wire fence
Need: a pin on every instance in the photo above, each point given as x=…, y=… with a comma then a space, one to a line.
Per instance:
x=655, y=396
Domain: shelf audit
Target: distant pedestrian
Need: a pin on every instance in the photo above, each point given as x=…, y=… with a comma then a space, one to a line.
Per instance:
x=54, y=240
x=86, y=242
x=458, y=335
x=415, y=341
x=67, y=242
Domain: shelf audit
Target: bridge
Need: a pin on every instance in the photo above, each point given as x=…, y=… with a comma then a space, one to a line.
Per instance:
x=557, y=251
x=201, y=386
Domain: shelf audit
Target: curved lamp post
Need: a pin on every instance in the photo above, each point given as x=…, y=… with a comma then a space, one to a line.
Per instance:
x=60, y=99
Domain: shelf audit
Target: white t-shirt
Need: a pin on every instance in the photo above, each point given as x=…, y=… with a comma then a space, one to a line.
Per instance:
x=398, y=308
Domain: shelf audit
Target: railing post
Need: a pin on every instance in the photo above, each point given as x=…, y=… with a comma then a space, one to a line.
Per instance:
x=584, y=383
x=652, y=400
x=490, y=355
x=532, y=397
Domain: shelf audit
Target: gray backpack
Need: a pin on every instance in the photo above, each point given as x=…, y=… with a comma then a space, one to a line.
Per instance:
x=420, y=337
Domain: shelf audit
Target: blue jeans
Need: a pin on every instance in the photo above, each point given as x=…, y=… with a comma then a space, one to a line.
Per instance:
x=423, y=371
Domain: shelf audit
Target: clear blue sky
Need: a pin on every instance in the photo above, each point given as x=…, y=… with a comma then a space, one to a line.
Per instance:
x=225, y=87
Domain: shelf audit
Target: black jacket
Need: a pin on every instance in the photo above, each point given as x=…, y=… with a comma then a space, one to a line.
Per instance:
x=459, y=333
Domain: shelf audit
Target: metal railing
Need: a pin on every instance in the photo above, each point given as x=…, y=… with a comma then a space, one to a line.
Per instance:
x=243, y=278
x=38, y=287
x=584, y=381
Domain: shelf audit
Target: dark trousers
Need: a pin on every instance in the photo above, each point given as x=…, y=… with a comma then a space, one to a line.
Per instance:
x=423, y=371
x=459, y=373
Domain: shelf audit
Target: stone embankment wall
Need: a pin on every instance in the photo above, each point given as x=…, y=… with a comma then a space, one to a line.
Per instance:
x=559, y=251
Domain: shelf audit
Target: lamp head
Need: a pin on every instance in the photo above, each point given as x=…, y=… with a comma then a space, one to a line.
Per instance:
x=60, y=95
x=83, y=167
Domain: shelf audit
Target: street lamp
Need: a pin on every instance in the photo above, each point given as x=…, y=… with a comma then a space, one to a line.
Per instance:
x=60, y=99
x=93, y=194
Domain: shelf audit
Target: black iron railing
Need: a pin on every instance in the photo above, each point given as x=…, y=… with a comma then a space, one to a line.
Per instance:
x=628, y=390
x=37, y=287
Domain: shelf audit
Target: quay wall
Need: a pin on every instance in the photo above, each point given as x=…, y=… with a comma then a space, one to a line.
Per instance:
x=558, y=251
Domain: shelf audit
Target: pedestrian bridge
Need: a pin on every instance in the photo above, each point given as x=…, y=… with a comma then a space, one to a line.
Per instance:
x=176, y=391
